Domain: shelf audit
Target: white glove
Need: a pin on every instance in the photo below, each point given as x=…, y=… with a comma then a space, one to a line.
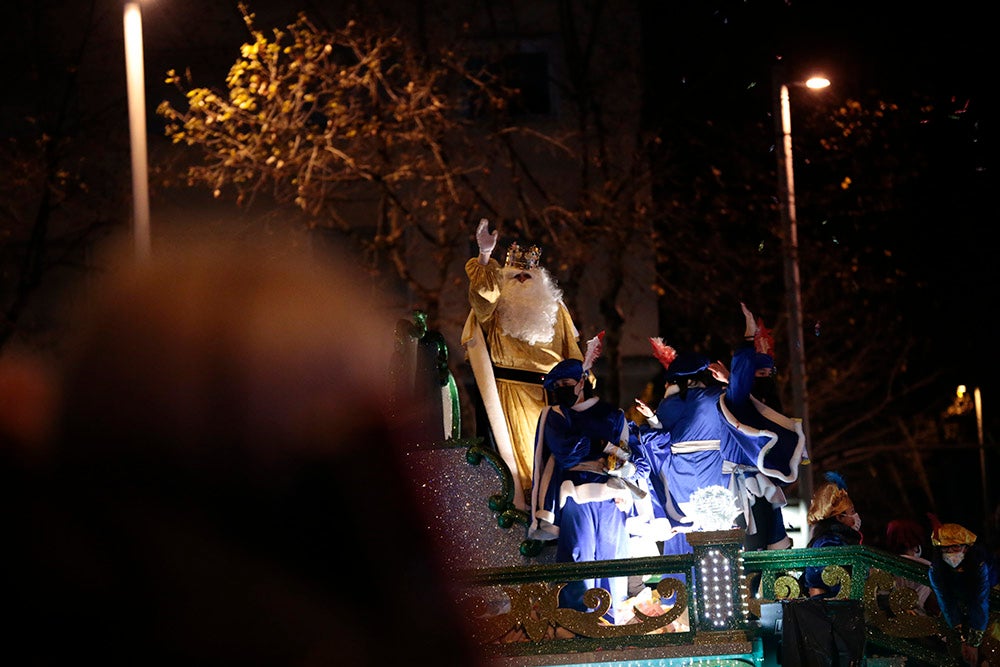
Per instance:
x=643, y=409
x=625, y=471
x=618, y=452
x=751, y=323
x=487, y=241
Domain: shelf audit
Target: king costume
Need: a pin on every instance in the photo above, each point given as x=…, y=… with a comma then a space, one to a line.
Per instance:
x=509, y=371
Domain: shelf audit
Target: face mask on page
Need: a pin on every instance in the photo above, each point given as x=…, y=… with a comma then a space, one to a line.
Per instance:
x=566, y=396
x=855, y=520
x=953, y=559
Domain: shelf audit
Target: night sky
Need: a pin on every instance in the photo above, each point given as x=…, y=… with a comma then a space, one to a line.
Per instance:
x=896, y=52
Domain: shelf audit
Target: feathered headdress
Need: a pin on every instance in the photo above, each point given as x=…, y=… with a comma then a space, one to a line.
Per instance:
x=678, y=365
x=595, y=346
x=836, y=479
x=830, y=499
x=903, y=534
x=763, y=340
x=663, y=352
x=949, y=534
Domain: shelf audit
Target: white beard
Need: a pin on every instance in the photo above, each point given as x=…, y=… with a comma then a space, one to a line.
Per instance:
x=527, y=311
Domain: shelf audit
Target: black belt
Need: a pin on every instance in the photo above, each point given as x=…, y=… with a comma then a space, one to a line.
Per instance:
x=516, y=375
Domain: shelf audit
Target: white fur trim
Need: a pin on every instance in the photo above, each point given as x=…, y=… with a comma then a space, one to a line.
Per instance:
x=482, y=369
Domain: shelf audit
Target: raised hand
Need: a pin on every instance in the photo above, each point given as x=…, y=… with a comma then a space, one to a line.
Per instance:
x=751, y=323
x=487, y=240
x=719, y=371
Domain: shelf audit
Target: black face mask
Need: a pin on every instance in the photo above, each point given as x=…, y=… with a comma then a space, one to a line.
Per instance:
x=565, y=396
x=765, y=390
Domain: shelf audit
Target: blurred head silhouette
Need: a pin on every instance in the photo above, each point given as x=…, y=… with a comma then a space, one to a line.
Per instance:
x=904, y=536
x=223, y=484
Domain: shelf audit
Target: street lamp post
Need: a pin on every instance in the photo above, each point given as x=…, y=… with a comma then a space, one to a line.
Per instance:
x=793, y=288
x=961, y=406
x=987, y=519
x=135, y=75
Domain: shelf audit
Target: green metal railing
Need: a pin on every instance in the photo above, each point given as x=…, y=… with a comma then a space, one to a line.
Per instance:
x=724, y=617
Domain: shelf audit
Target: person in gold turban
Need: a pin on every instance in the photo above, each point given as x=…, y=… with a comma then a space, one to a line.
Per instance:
x=833, y=521
x=961, y=573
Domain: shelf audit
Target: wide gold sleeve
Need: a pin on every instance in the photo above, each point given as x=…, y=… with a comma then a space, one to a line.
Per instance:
x=484, y=287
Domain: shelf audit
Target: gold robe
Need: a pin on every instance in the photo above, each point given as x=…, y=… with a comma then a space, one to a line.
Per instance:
x=520, y=403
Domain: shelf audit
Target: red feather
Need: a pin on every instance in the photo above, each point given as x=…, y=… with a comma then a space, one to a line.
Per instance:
x=594, y=348
x=764, y=340
x=663, y=352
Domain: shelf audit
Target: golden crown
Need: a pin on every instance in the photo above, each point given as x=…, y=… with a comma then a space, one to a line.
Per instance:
x=528, y=258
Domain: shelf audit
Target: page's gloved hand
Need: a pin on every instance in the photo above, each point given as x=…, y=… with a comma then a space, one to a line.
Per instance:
x=619, y=453
x=625, y=471
x=751, y=324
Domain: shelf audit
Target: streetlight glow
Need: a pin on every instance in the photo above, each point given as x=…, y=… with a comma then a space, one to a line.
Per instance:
x=961, y=407
x=134, y=70
x=978, y=402
x=793, y=285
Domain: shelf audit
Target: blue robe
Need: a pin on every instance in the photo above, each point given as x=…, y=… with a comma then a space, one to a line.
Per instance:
x=772, y=442
x=574, y=499
x=963, y=593
x=827, y=533
x=717, y=436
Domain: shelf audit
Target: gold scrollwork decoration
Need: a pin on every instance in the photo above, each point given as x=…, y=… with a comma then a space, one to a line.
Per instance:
x=834, y=575
x=786, y=587
x=535, y=610
x=902, y=618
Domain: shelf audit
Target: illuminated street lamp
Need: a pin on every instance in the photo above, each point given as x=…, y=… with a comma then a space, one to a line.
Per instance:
x=134, y=71
x=793, y=288
x=978, y=403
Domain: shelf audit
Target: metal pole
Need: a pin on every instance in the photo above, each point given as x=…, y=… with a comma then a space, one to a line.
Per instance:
x=793, y=289
x=134, y=70
x=987, y=519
